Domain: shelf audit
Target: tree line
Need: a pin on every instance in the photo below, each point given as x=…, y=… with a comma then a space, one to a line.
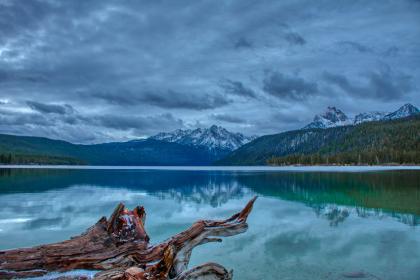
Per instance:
x=10, y=158
x=6, y=159
x=370, y=157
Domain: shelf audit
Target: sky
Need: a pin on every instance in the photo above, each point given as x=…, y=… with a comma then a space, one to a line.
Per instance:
x=98, y=71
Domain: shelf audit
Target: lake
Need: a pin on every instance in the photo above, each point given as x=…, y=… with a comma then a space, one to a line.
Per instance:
x=306, y=224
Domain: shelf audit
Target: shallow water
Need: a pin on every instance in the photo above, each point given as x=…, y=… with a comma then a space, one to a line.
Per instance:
x=305, y=225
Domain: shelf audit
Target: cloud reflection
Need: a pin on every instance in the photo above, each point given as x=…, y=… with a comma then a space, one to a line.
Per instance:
x=296, y=227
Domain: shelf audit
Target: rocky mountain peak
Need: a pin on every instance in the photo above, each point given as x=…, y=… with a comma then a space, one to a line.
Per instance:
x=404, y=111
x=330, y=118
x=335, y=117
x=214, y=138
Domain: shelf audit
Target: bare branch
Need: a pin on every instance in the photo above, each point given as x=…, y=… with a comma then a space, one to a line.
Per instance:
x=119, y=247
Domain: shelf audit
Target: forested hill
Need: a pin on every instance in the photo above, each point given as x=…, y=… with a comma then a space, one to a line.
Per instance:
x=383, y=142
x=28, y=150
x=39, y=150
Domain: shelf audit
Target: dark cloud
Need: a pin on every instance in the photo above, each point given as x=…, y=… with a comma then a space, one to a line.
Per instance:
x=237, y=88
x=380, y=85
x=20, y=77
x=355, y=46
x=295, y=39
x=50, y=108
x=4, y=76
x=8, y=118
x=143, y=124
x=168, y=99
x=284, y=120
x=289, y=87
x=392, y=51
x=119, y=98
x=387, y=85
x=194, y=101
x=242, y=43
x=227, y=118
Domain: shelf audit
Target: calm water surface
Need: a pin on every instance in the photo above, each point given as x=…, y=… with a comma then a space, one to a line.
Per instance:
x=305, y=225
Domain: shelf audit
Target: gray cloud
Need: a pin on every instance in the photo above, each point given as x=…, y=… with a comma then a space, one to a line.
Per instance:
x=294, y=38
x=237, y=88
x=282, y=120
x=20, y=77
x=139, y=123
x=50, y=108
x=21, y=119
x=387, y=85
x=289, y=87
x=392, y=51
x=144, y=59
x=69, y=127
x=380, y=85
x=120, y=98
x=168, y=99
x=227, y=118
x=195, y=101
x=355, y=46
x=242, y=43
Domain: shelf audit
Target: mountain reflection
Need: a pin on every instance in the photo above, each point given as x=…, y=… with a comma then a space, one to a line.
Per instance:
x=332, y=213
x=214, y=194
x=311, y=225
x=333, y=196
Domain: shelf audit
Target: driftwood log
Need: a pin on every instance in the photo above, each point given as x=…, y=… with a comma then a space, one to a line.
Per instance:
x=119, y=249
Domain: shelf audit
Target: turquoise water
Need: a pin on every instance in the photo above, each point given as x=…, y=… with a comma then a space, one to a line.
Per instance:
x=305, y=225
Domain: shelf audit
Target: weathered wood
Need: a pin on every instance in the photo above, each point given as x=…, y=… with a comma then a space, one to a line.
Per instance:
x=119, y=247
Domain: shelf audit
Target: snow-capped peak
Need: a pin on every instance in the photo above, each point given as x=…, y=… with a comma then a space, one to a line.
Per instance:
x=404, y=111
x=330, y=118
x=334, y=117
x=214, y=138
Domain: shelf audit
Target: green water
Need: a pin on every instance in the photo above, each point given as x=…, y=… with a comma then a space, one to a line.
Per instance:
x=305, y=225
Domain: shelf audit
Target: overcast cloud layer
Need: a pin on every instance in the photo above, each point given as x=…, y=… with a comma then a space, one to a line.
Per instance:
x=95, y=71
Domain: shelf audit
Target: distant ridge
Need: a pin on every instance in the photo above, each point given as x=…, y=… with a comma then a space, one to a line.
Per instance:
x=201, y=146
x=39, y=150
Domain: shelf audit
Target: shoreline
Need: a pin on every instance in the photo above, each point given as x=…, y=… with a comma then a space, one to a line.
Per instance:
x=314, y=168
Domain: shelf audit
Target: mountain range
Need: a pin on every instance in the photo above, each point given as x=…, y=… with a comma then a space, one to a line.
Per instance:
x=330, y=134
x=334, y=117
